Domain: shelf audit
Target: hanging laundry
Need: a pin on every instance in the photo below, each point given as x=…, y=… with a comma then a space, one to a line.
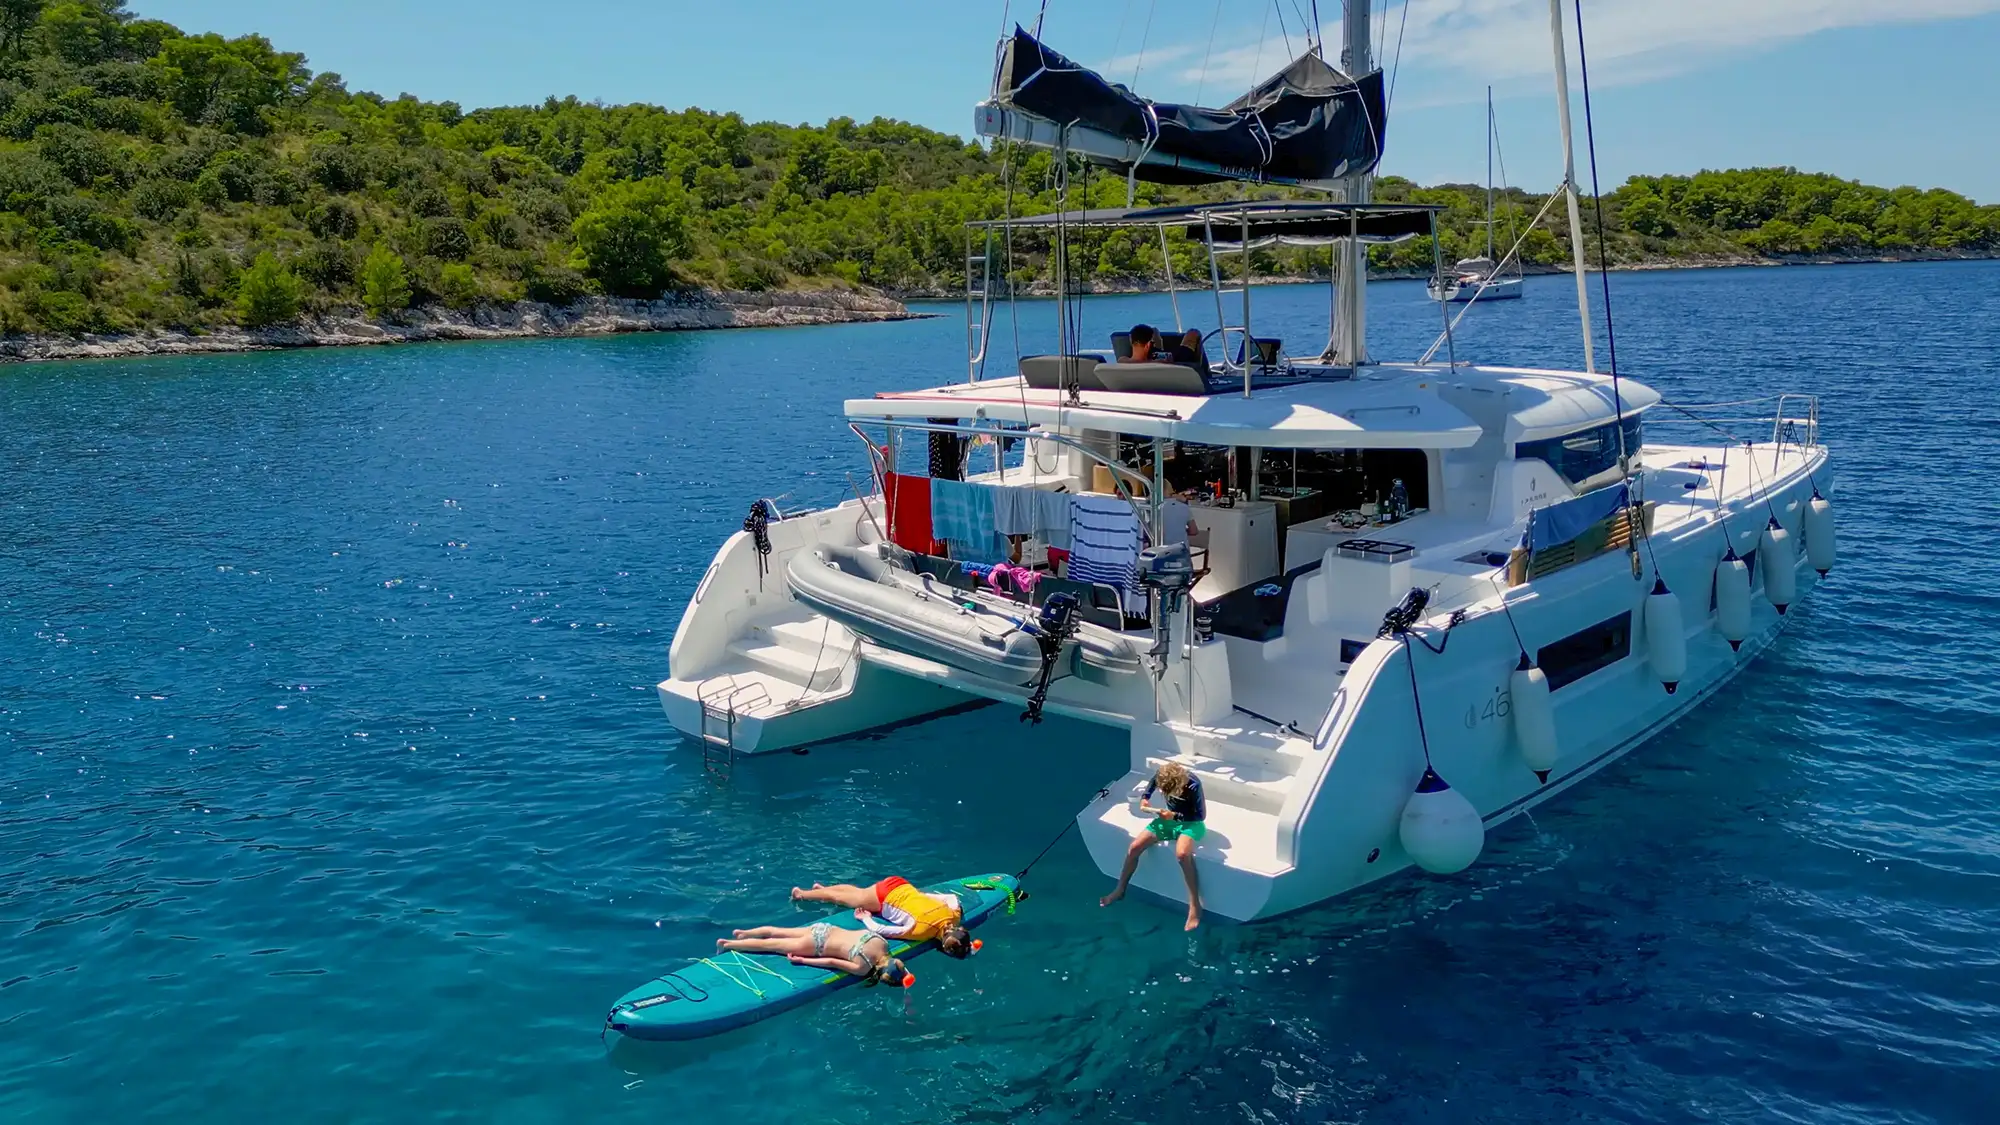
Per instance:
x=908, y=499
x=1104, y=543
x=1015, y=510
x=962, y=515
x=1052, y=518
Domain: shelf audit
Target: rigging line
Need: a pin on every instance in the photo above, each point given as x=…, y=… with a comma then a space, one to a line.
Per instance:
x=1039, y=17
x=1145, y=35
x=1397, y=68
x=1501, y=592
x=1410, y=658
x=1318, y=32
x=1500, y=156
x=1264, y=33
x=1604, y=279
x=1207, y=51
x=1124, y=17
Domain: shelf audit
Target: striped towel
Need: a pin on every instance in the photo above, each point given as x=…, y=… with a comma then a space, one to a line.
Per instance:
x=962, y=515
x=1052, y=518
x=1104, y=542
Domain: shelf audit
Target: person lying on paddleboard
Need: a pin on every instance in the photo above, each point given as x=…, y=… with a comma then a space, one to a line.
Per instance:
x=825, y=946
x=895, y=909
x=1184, y=821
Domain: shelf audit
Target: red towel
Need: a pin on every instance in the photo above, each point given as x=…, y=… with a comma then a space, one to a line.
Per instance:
x=908, y=499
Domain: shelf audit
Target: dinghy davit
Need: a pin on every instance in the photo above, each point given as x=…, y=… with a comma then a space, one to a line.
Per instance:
x=710, y=995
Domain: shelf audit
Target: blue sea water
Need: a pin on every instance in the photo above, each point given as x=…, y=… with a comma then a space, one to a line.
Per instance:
x=333, y=787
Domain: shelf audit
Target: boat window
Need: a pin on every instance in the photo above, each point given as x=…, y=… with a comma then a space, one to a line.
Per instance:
x=1585, y=453
x=1581, y=653
x=1320, y=482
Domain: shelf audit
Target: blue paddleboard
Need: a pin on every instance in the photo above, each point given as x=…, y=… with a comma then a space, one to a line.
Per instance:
x=711, y=995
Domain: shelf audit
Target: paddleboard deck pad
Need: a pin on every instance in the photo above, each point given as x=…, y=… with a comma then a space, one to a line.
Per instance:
x=710, y=995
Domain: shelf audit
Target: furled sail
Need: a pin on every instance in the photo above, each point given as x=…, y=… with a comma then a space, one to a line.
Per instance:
x=1309, y=123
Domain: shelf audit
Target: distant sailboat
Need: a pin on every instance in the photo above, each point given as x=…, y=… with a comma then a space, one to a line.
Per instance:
x=1481, y=278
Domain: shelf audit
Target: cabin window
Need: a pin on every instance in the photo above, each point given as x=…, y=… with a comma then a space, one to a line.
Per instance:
x=1581, y=653
x=1338, y=480
x=1585, y=453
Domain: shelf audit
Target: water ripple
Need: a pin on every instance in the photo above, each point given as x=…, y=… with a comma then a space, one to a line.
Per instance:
x=333, y=779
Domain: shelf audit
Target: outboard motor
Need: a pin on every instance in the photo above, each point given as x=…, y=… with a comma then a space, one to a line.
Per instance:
x=1168, y=571
x=1052, y=629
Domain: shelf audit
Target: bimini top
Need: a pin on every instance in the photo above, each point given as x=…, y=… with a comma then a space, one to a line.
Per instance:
x=1370, y=413
x=1287, y=219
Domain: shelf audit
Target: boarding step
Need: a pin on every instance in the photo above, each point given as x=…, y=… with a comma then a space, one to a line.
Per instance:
x=810, y=634
x=1277, y=750
x=1244, y=840
x=1244, y=785
x=814, y=670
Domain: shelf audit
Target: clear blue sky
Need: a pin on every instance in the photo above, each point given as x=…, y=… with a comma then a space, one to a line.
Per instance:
x=1885, y=91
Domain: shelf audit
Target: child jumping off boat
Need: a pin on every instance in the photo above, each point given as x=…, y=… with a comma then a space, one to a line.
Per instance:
x=825, y=946
x=893, y=908
x=1184, y=821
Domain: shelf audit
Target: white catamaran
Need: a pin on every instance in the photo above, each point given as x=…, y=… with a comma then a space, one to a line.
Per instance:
x=1378, y=608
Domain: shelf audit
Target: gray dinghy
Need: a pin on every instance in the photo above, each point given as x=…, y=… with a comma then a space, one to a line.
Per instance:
x=917, y=614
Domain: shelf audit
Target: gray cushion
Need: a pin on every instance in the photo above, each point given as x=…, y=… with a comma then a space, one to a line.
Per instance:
x=1152, y=378
x=1046, y=371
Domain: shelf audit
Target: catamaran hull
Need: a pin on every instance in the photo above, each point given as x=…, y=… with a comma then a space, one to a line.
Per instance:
x=1337, y=824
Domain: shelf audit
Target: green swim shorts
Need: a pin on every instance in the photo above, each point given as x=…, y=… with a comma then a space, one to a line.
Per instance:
x=1165, y=829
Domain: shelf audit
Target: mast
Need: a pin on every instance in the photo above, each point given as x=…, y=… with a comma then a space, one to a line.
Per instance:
x=1350, y=329
x=1489, y=173
x=1569, y=180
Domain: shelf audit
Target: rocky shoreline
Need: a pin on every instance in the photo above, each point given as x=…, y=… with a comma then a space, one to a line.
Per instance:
x=597, y=316
x=1128, y=285
x=692, y=310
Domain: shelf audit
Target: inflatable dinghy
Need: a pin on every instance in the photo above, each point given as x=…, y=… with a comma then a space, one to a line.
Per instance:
x=710, y=995
x=917, y=614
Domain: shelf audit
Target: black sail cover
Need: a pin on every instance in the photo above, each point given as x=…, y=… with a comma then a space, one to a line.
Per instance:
x=1307, y=122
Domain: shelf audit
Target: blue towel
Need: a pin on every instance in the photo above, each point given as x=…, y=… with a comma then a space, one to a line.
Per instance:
x=1014, y=509
x=1561, y=522
x=1052, y=518
x=962, y=515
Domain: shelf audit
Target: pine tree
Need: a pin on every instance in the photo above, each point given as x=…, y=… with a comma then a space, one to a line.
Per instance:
x=385, y=287
x=268, y=293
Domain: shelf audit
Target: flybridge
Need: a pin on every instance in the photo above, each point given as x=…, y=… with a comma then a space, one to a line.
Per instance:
x=1309, y=125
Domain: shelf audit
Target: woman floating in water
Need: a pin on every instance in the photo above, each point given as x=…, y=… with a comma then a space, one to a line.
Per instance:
x=823, y=945
x=895, y=909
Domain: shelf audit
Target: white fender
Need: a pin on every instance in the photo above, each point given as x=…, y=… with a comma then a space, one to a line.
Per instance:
x=1732, y=600
x=1666, y=643
x=1534, y=718
x=1779, y=561
x=1819, y=534
x=1440, y=829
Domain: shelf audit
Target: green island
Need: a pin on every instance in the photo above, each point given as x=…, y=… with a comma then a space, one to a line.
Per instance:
x=156, y=182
